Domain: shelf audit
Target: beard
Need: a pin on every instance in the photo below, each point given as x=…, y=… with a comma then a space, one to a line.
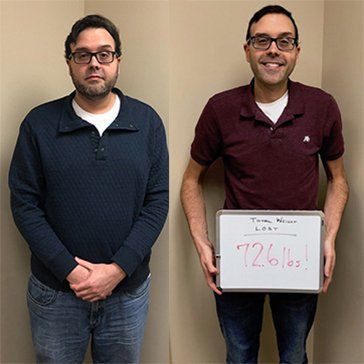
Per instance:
x=96, y=91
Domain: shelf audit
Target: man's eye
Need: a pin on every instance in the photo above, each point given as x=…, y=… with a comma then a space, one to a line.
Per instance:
x=82, y=55
x=104, y=55
x=284, y=41
x=262, y=40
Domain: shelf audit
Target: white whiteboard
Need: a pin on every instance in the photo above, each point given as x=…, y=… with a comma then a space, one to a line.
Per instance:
x=269, y=251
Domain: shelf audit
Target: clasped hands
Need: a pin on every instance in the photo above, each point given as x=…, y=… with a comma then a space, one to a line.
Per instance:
x=93, y=282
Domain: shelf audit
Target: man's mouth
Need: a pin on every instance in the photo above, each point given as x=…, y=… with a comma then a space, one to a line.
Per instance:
x=94, y=76
x=272, y=64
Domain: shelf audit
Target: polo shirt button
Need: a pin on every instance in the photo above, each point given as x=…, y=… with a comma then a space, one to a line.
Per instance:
x=93, y=133
x=271, y=128
x=95, y=150
x=116, y=124
x=131, y=125
x=102, y=149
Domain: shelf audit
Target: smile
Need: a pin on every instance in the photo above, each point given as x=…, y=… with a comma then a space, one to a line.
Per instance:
x=272, y=64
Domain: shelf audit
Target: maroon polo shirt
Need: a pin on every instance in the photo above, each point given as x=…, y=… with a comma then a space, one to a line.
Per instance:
x=267, y=165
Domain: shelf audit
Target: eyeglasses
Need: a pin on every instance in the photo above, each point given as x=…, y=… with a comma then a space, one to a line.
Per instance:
x=85, y=57
x=263, y=42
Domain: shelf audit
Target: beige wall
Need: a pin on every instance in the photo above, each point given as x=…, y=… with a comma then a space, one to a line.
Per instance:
x=207, y=57
x=339, y=333
x=34, y=72
x=32, y=35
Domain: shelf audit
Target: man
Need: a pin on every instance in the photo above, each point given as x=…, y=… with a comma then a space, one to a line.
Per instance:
x=89, y=193
x=269, y=135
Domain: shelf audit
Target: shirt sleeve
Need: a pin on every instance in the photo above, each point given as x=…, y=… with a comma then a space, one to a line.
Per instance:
x=333, y=140
x=206, y=146
x=151, y=219
x=27, y=188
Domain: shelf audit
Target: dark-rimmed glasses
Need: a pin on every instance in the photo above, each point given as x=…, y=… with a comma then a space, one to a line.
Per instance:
x=263, y=42
x=85, y=57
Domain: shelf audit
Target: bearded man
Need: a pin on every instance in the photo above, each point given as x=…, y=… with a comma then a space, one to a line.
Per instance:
x=89, y=193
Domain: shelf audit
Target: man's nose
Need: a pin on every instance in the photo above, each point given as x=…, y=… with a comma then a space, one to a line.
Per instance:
x=273, y=48
x=93, y=61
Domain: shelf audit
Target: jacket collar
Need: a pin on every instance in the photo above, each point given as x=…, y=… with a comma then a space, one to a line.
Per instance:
x=70, y=122
x=294, y=108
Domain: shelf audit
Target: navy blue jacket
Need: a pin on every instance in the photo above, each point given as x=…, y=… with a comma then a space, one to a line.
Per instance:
x=74, y=193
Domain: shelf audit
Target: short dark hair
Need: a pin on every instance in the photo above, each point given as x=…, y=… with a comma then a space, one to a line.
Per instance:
x=92, y=21
x=271, y=9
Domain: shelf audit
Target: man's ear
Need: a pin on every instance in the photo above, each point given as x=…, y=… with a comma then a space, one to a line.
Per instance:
x=298, y=51
x=246, y=49
x=68, y=64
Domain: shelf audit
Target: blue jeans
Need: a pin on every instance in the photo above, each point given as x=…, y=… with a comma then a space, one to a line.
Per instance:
x=241, y=315
x=62, y=325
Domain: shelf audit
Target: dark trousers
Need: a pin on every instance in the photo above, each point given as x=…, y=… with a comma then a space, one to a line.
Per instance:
x=241, y=314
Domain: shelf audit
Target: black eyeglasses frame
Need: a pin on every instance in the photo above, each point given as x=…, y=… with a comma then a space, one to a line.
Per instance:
x=294, y=42
x=94, y=54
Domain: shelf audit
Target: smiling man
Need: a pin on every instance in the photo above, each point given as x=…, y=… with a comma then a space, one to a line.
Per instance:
x=89, y=193
x=269, y=135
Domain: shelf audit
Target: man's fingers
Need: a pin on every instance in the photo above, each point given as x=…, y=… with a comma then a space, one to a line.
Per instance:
x=79, y=287
x=209, y=276
x=211, y=268
x=210, y=282
x=91, y=296
x=326, y=284
x=327, y=281
x=84, y=263
x=329, y=265
x=328, y=271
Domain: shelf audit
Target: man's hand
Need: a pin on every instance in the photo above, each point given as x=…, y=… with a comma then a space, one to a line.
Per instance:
x=329, y=257
x=78, y=275
x=102, y=279
x=208, y=263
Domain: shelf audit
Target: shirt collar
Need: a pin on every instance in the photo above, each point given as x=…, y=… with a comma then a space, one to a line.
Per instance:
x=295, y=106
x=69, y=121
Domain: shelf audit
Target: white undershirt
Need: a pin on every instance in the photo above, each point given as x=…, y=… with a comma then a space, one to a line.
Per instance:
x=274, y=109
x=100, y=121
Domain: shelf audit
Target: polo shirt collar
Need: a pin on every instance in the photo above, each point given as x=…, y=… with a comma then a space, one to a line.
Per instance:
x=295, y=106
x=69, y=121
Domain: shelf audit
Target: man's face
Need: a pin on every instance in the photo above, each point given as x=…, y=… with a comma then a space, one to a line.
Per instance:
x=272, y=67
x=94, y=80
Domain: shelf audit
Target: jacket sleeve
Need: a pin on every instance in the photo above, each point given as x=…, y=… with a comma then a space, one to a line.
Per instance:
x=28, y=189
x=150, y=221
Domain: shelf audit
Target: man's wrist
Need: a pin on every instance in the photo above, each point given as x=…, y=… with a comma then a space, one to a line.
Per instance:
x=118, y=271
x=203, y=245
x=77, y=273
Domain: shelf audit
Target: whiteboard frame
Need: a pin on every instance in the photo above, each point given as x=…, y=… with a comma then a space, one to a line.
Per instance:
x=269, y=213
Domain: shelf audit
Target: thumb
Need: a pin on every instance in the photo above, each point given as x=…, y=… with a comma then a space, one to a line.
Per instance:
x=327, y=267
x=84, y=263
x=211, y=268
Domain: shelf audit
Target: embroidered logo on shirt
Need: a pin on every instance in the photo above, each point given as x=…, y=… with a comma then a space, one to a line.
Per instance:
x=306, y=139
